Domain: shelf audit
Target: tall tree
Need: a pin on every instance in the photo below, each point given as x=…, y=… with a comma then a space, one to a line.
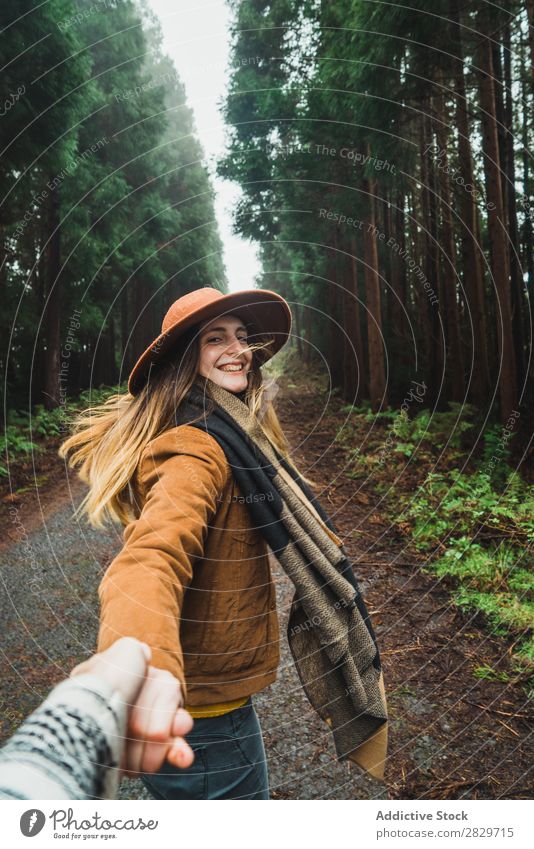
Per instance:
x=496, y=220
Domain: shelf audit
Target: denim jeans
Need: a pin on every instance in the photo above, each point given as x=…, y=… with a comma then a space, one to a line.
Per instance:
x=229, y=763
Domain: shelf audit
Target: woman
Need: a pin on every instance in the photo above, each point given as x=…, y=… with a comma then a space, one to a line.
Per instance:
x=194, y=462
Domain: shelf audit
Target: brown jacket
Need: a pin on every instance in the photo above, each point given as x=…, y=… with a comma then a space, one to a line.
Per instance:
x=193, y=578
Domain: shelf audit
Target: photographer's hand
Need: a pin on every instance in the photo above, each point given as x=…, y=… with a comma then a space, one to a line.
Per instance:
x=157, y=722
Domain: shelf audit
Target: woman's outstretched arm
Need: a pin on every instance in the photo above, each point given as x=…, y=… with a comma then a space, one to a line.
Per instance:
x=182, y=474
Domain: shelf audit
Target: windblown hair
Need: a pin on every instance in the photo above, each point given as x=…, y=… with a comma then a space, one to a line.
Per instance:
x=107, y=440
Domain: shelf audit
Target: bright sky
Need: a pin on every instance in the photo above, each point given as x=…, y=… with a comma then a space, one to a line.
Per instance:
x=197, y=38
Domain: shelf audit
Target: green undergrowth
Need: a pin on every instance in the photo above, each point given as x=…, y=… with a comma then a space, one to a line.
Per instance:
x=26, y=433
x=475, y=527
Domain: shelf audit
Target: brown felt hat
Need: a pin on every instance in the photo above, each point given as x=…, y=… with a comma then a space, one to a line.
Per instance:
x=263, y=311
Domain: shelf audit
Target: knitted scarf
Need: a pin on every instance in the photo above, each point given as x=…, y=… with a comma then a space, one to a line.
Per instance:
x=329, y=631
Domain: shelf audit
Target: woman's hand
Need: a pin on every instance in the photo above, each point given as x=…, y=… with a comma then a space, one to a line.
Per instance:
x=157, y=723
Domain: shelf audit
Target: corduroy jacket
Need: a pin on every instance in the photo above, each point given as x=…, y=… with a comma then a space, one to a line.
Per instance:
x=193, y=578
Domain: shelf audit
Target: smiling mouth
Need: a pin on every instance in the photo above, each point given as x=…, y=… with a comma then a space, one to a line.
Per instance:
x=231, y=369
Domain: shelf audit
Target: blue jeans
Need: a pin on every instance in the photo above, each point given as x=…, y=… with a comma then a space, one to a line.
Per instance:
x=229, y=763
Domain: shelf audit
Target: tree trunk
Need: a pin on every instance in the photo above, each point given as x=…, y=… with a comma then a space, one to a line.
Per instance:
x=39, y=283
x=308, y=332
x=398, y=280
x=125, y=326
x=140, y=330
x=471, y=250
x=500, y=119
x=112, y=351
x=3, y=260
x=383, y=221
x=497, y=229
x=335, y=321
x=455, y=365
x=430, y=313
x=528, y=234
x=516, y=282
x=52, y=313
x=298, y=330
x=104, y=370
x=530, y=13
x=355, y=372
x=377, y=375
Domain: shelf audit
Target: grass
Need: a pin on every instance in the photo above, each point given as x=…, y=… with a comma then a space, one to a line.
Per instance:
x=26, y=433
x=475, y=526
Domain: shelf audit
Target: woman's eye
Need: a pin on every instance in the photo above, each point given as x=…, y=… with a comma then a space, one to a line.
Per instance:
x=217, y=339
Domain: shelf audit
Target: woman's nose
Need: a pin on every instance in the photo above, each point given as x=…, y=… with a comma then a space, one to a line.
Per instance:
x=235, y=348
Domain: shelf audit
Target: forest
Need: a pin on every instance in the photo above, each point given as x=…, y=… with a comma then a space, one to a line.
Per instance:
x=381, y=155
x=387, y=175
x=106, y=205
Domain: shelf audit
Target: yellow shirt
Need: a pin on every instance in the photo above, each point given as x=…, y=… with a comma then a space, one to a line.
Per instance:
x=215, y=710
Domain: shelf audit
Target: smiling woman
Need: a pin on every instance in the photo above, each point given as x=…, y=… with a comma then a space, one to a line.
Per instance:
x=193, y=576
x=201, y=475
x=225, y=356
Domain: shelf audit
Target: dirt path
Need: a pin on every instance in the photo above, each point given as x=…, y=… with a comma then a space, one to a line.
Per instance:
x=452, y=735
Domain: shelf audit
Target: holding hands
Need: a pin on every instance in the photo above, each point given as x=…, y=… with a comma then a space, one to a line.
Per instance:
x=157, y=722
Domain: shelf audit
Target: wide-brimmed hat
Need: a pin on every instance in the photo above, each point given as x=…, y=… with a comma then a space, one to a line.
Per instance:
x=263, y=311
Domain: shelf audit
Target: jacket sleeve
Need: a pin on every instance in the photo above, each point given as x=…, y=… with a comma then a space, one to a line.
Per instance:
x=181, y=475
x=70, y=746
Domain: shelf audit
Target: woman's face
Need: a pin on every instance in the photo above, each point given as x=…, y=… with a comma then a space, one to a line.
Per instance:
x=222, y=343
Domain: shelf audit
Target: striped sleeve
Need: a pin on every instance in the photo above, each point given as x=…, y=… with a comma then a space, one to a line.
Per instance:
x=69, y=747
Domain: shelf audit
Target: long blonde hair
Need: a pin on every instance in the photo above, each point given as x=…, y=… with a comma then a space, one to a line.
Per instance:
x=107, y=440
